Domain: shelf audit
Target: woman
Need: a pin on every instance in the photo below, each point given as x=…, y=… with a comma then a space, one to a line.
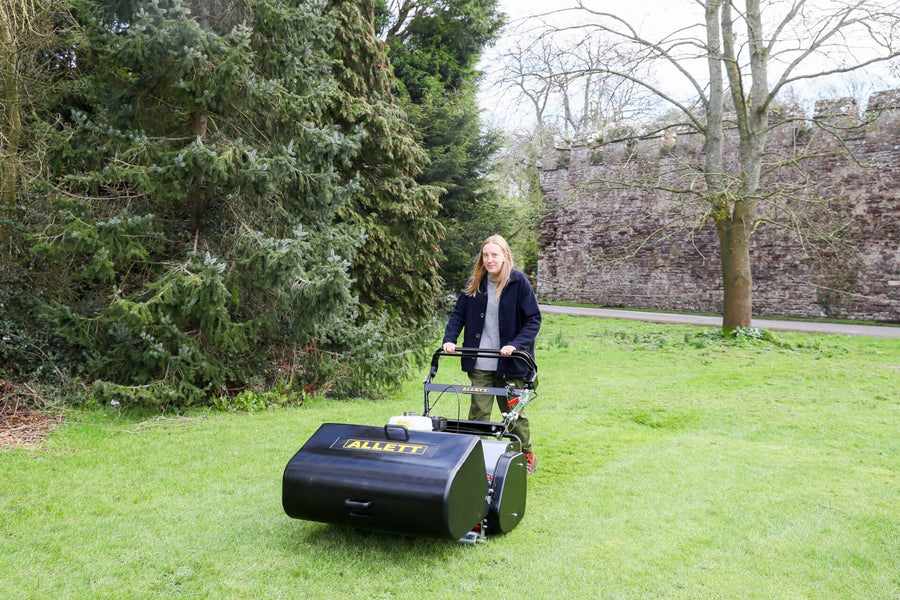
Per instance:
x=498, y=309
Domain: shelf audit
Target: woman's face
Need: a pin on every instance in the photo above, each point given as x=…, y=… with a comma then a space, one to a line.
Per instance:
x=493, y=259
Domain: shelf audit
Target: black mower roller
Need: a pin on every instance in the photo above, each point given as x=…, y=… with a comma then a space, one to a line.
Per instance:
x=417, y=475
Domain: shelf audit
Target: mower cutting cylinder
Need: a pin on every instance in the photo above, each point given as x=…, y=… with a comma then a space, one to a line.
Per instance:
x=390, y=479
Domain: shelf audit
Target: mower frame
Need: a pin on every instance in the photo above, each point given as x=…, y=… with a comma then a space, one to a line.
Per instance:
x=418, y=477
x=517, y=398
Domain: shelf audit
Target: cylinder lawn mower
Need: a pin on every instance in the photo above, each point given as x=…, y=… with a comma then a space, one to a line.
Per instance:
x=418, y=475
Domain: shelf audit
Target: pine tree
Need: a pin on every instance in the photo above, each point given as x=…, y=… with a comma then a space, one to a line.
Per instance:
x=434, y=46
x=196, y=178
x=397, y=268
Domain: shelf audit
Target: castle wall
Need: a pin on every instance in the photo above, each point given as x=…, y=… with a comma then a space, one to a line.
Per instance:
x=611, y=237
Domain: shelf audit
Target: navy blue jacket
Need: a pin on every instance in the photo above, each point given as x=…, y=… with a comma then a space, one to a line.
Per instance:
x=520, y=321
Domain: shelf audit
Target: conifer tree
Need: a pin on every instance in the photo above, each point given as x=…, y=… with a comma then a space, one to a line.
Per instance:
x=397, y=268
x=196, y=179
x=434, y=46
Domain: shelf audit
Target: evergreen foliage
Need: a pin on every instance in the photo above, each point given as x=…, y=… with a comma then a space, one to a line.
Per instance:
x=433, y=49
x=225, y=182
x=30, y=64
x=397, y=267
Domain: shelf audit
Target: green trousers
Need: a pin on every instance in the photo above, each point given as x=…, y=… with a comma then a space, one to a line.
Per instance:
x=482, y=405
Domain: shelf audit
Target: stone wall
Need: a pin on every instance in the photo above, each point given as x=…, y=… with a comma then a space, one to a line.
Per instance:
x=610, y=236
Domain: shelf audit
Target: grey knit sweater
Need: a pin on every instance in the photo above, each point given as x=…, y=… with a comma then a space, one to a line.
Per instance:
x=490, y=335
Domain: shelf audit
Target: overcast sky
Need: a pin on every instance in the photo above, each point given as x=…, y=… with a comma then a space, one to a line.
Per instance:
x=650, y=16
x=503, y=108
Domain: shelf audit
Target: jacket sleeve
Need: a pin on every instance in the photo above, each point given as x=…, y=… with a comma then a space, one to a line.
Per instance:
x=456, y=321
x=529, y=317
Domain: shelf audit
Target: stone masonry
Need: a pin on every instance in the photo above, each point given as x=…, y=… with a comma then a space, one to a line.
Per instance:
x=622, y=225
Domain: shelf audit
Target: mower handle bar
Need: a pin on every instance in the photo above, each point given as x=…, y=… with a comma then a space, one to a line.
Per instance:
x=524, y=395
x=518, y=355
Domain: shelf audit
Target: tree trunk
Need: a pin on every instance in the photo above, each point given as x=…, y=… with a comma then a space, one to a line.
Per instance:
x=10, y=121
x=751, y=113
x=197, y=189
x=737, y=278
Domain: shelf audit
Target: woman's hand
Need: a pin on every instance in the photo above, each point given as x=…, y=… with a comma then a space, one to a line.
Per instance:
x=507, y=350
x=449, y=347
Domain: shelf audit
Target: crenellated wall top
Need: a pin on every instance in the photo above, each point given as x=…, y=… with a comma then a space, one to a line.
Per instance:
x=881, y=118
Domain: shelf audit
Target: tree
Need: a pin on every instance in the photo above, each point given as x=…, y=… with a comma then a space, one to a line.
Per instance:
x=752, y=51
x=516, y=170
x=571, y=98
x=15, y=21
x=433, y=46
x=30, y=64
x=396, y=269
x=437, y=42
x=565, y=84
x=199, y=200
x=26, y=43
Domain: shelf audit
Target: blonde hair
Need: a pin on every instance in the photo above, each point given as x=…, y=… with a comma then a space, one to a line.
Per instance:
x=480, y=271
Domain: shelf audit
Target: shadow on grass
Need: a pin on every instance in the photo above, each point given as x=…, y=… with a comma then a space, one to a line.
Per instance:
x=341, y=540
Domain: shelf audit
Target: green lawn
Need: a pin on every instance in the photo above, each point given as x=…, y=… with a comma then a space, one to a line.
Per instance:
x=670, y=466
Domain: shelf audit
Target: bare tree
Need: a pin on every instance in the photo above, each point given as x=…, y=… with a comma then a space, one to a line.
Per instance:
x=27, y=32
x=527, y=69
x=752, y=50
x=565, y=83
x=15, y=24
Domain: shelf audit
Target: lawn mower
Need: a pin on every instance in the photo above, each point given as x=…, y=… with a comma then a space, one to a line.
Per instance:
x=419, y=475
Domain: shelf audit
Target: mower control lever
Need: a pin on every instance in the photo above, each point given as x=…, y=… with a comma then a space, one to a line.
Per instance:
x=516, y=407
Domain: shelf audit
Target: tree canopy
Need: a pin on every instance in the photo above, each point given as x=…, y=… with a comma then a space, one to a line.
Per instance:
x=227, y=200
x=433, y=47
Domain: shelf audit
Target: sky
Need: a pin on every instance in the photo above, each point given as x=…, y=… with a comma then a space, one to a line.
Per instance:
x=502, y=107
